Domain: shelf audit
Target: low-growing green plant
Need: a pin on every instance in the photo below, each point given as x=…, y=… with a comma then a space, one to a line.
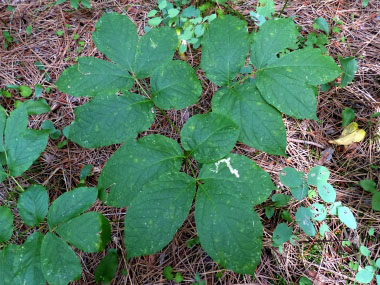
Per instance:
x=75, y=3
x=47, y=257
x=370, y=186
x=145, y=175
x=306, y=218
x=368, y=273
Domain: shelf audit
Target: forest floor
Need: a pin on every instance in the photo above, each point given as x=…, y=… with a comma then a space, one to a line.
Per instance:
x=323, y=261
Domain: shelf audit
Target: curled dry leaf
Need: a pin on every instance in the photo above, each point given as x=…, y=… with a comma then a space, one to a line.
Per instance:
x=350, y=135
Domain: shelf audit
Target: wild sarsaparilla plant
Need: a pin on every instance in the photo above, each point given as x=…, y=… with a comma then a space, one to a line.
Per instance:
x=144, y=174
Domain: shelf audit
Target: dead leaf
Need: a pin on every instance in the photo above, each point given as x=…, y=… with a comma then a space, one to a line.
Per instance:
x=350, y=135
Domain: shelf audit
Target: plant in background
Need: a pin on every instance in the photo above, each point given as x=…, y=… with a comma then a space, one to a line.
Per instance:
x=306, y=218
x=47, y=257
x=189, y=23
x=75, y=3
x=368, y=273
x=370, y=186
x=145, y=175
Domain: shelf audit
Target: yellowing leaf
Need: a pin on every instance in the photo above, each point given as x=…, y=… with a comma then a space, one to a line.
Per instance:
x=350, y=135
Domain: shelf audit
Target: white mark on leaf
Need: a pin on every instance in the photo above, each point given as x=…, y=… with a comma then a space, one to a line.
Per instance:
x=227, y=161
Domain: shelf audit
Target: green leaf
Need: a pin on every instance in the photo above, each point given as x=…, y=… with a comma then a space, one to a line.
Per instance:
x=152, y=13
x=319, y=212
x=93, y=76
x=239, y=173
x=281, y=234
x=334, y=208
x=3, y=119
x=274, y=36
x=305, y=281
x=107, y=267
x=155, y=21
x=25, y=91
x=135, y=164
x=323, y=229
x=347, y=218
x=29, y=29
x=70, y=204
x=167, y=272
x=59, y=263
x=377, y=263
x=86, y=4
x=364, y=250
x=368, y=185
x=280, y=200
x=175, y=85
x=286, y=82
x=6, y=224
x=229, y=230
x=37, y=107
x=223, y=211
x=300, y=192
x=261, y=125
x=327, y=192
x=178, y=277
x=156, y=47
x=116, y=37
x=348, y=115
x=225, y=47
x=22, y=146
x=74, y=4
x=375, y=115
x=291, y=177
x=286, y=216
x=28, y=262
x=265, y=8
x=364, y=276
x=269, y=212
x=322, y=25
x=365, y=3
x=89, y=232
x=33, y=205
x=376, y=201
x=85, y=171
x=107, y=120
x=53, y=132
x=209, y=137
x=349, y=66
x=157, y=212
x=318, y=175
x=303, y=220
x=173, y=12
x=8, y=256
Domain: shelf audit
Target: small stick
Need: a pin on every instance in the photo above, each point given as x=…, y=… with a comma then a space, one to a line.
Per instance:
x=307, y=142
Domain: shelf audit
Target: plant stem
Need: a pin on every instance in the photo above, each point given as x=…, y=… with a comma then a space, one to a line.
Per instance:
x=19, y=186
x=188, y=162
x=283, y=7
x=169, y=120
x=242, y=80
x=142, y=88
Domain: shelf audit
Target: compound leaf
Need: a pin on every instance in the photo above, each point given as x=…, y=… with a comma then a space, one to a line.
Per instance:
x=347, y=218
x=175, y=85
x=274, y=36
x=33, y=205
x=318, y=175
x=107, y=267
x=286, y=83
x=59, y=263
x=261, y=125
x=303, y=219
x=291, y=177
x=28, y=262
x=22, y=146
x=92, y=76
x=225, y=47
x=70, y=204
x=89, y=232
x=209, y=137
x=6, y=223
x=157, y=212
x=327, y=192
x=107, y=120
x=228, y=229
x=156, y=47
x=135, y=164
x=239, y=173
x=116, y=37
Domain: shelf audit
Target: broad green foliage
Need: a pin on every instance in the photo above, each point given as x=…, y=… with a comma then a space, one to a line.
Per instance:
x=349, y=66
x=21, y=145
x=281, y=234
x=346, y=216
x=33, y=205
x=303, y=219
x=144, y=174
x=175, y=85
x=348, y=115
x=107, y=267
x=370, y=186
x=6, y=224
x=291, y=177
x=49, y=258
x=260, y=124
x=209, y=137
x=318, y=175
